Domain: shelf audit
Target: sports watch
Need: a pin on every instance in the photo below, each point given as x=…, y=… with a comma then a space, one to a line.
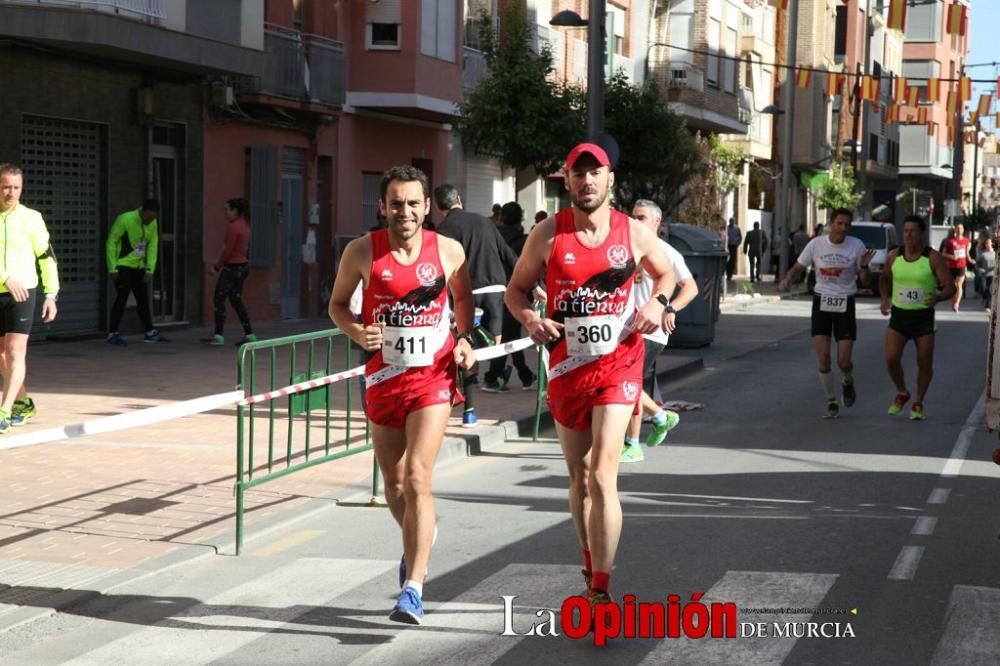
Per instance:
x=667, y=307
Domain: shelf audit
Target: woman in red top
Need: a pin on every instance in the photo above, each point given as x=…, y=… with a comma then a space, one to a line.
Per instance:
x=956, y=251
x=233, y=268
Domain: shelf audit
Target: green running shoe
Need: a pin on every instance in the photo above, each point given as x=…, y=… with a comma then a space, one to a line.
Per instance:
x=632, y=453
x=917, y=411
x=897, y=403
x=24, y=409
x=660, y=430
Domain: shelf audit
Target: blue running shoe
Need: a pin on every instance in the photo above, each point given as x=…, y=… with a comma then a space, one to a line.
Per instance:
x=154, y=336
x=116, y=340
x=408, y=609
x=469, y=419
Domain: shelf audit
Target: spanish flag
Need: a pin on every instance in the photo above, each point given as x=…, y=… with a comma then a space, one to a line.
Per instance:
x=998, y=86
x=833, y=84
x=900, y=91
x=911, y=95
x=964, y=89
x=869, y=88
x=922, y=115
x=779, y=4
x=952, y=105
x=956, y=19
x=897, y=15
x=803, y=77
x=930, y=128
x=984, y=105
x=973, y=117
x=933, y=90
x=996, y=121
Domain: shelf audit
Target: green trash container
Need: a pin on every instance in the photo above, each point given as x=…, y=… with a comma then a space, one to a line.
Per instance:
x=705, y=255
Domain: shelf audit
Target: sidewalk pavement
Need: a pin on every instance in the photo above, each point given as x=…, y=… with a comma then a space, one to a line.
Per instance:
x=83, y=515
x=741, y=293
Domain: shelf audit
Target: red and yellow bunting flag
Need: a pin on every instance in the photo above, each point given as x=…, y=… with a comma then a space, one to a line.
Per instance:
x=933, y=90
x=952, y=105
x=803, y=77
x=964, y=89
x=779, y=4
x=996, y=122
x=922, y=115
x=930, y=128
x=897, y=14
x=973, y=117
x=834, y=82
x=998, y=87
x=984, y=105
x=900, y=90
x=911, y=95
x=869, y=88
x=956, y=19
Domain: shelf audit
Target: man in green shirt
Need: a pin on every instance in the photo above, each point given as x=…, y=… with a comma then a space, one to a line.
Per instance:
x=910, y=282
x=131, y=253
x=24, y=253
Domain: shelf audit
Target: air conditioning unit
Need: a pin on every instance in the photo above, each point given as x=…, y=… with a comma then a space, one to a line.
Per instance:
x=222, y=95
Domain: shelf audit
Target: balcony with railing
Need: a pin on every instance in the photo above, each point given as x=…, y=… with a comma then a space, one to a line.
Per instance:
x=149, y=11
x=301, y=67
x=143, y=33
x=678, y=76
x=473, y=67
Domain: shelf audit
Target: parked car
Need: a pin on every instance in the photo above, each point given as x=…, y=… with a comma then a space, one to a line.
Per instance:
x=878, y=236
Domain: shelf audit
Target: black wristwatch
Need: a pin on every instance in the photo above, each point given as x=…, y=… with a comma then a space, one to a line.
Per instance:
x=667, y=307
x=467, y=336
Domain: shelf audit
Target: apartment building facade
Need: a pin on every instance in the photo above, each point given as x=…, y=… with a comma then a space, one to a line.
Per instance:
x=927, y=151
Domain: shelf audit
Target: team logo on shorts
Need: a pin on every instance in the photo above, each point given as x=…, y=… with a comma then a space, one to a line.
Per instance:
x=618, y=256
x=631, y=390
x=426, y=274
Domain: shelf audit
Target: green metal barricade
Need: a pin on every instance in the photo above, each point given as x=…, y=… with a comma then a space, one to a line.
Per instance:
x=269, y=365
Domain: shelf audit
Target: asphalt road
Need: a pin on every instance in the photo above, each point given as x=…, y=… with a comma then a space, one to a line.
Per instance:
x=876, y=527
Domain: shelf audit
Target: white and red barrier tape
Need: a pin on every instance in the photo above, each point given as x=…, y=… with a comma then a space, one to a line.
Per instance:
x=174, y=410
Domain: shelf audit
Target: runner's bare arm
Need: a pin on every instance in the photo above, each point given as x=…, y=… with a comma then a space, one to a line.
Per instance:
x=460, y=285
x=885, y=282
x=944, y=278
x=525, y=277
x=355, y=265
x=646, y=248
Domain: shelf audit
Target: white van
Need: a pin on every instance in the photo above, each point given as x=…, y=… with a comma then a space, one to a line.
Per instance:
x=878, y=236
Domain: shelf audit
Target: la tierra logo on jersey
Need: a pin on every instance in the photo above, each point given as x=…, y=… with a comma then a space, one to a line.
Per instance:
x=618, y=256
x=427, y=274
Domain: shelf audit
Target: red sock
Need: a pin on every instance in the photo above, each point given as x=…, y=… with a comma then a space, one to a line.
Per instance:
x=586, y=560
x=601, y=581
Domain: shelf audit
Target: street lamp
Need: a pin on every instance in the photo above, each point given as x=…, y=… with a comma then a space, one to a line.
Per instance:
x=595, y=61
x=781, y=223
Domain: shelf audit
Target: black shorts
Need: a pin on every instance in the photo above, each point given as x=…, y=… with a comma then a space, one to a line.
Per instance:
x=841, y=325
x=651, y=352
x=912, y=324
x=956, y=272
x=16, y=317
x=492, y=307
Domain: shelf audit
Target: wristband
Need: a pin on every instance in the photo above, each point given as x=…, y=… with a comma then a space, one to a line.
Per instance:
x=467, y=337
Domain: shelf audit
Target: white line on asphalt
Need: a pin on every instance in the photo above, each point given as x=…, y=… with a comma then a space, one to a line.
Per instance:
x=924, y=526
x=906, y=563
x=939, y=496
x=972, y=629
x=961, y=448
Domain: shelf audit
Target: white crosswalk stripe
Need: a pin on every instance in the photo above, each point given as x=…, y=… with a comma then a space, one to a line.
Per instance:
x=972, y=628
x=749, y=589
x=282, y=595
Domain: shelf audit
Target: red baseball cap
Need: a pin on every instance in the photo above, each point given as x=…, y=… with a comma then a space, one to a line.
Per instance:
x=592, y=148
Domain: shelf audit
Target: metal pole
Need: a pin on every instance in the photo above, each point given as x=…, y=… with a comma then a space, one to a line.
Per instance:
x=784, y=207
x=958, y=159
x=595, y=70
x=862, y=145
x=975, y=168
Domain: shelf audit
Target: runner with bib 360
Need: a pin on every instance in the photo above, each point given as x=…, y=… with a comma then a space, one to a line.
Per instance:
x=838, y=260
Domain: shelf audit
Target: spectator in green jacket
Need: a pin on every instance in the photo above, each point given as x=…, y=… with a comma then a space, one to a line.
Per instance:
x=25, y=248
x=131, y=252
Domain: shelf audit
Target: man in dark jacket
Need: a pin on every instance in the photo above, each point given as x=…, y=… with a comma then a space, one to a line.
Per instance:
x=487, y=254
x=754, y=246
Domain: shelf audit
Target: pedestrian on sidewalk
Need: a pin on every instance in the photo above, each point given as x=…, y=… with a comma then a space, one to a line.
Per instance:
x=232, y=267
x=131, y=254
x=909, y=282
x=986, y=258
x=489, y=259
x=589, y=253
x=649, y=213
x=733, y=239
x=27, y=253
x=512, y=230
x=754, y=246
x=407, y=272
x=840, y=259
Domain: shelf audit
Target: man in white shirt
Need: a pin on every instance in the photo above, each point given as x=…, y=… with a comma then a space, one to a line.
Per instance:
x=838, y=260
x=650, y=214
